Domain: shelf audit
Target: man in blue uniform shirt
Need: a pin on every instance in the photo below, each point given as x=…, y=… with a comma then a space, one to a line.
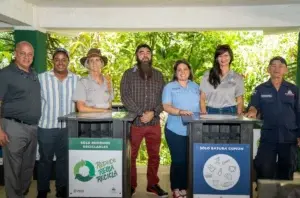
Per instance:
x=277, y=102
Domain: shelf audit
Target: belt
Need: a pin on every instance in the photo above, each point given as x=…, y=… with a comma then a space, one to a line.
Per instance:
x=19, y=121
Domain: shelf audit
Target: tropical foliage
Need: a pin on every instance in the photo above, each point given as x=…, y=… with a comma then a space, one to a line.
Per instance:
x=6, y=48
x=252, y=51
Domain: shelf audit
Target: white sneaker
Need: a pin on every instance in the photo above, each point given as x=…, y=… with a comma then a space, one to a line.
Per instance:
x=183, y=193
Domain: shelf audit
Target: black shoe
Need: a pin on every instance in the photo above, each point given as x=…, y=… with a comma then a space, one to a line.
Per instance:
x=61, y=192
x=157, y=191
x=132, y=191
x=42, y=194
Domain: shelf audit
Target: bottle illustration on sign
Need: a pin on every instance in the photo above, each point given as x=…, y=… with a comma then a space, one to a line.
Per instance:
x=217, y=160
x=221, y=172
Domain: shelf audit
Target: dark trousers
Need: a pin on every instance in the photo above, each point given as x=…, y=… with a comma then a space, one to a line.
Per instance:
x=178, y=149
x=152, y=135
x=52, y=141
x=267, y=166
x=18, y=157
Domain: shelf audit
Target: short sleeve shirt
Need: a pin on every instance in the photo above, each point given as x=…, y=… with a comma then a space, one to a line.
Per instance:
x=56, y=98
x=183, y=98
x=231, y=86
x=20, y=93
x=93, y=94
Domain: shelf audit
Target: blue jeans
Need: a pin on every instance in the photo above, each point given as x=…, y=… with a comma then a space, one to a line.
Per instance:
x=178, y=149
x=232, y=110
x=52, y=141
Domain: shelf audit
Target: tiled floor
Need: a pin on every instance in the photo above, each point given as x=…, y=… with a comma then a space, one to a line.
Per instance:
x=140, y=192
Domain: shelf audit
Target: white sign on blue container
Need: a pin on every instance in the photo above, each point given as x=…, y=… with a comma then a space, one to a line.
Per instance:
x=221, y=170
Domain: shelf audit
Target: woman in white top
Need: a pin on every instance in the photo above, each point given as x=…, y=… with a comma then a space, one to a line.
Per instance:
x=221, y=88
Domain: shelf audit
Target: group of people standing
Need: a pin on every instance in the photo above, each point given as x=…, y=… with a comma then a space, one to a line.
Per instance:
x=30, y=104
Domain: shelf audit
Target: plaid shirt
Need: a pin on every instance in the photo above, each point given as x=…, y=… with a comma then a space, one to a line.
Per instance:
x=140, y=95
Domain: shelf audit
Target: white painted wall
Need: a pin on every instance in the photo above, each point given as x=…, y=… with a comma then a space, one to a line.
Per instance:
x=170, y=18
x=154, y=3
x=264, y=17
x=16, y=12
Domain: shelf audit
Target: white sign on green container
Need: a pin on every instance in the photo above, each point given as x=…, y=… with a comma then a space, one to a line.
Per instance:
x=95, y=167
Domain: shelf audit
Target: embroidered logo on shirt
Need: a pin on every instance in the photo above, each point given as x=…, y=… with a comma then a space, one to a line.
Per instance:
x=266, y=96
x=232, y=80
x=289, y=93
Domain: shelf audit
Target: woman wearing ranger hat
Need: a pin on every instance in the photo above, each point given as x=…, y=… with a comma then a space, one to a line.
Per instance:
x=94, y=93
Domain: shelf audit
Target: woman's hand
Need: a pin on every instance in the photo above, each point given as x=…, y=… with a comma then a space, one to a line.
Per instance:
x=183, y=113
x=203, y=112
x=203, y=103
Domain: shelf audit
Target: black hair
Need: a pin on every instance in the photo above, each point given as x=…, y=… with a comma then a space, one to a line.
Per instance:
x=215, y=71
x=61, y=50
x=279, y=58
x=175, y=69
x=144, y=45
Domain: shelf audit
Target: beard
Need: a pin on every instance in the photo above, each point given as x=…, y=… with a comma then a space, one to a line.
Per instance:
x=145, y=68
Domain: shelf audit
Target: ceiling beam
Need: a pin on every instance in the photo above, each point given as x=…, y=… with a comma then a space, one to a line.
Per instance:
x=170, y=18
x=17, y=12
x=154, y=3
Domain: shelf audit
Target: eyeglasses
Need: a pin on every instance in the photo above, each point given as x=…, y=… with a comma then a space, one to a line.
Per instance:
x=23, y=54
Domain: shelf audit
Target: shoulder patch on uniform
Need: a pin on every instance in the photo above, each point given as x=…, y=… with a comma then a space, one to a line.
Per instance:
x=206, y=73
x=83, y=79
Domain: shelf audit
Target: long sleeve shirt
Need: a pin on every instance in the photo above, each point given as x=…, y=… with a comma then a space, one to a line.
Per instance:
x=139, y=95
x=280, y=111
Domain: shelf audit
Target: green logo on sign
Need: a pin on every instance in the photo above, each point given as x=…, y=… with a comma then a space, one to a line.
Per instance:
x=81, y=164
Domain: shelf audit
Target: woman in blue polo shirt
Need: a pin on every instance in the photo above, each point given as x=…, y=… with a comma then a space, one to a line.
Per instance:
x=180, y=97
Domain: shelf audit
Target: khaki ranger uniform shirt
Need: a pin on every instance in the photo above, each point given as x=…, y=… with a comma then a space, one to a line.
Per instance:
x=93, y=94
x=232, y=86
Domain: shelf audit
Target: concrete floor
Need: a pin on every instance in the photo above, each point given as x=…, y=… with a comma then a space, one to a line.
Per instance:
x=140, y=191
